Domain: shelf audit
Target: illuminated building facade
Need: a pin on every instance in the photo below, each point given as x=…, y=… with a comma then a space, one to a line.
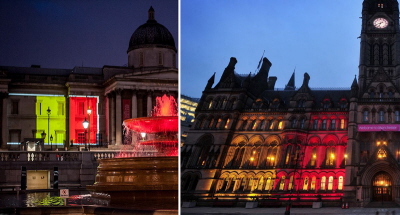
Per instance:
x=187, y=113
x=52, y=104
x=252, y=142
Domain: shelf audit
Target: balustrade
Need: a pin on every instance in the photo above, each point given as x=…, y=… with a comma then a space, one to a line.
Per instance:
x=56, y=156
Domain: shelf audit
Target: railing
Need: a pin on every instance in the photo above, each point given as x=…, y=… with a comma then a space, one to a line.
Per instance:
x=62, y=156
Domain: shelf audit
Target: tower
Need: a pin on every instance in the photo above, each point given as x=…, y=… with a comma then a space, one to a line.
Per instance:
x=372, y=170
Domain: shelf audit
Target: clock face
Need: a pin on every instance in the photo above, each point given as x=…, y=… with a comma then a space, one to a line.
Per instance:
x=380, y=23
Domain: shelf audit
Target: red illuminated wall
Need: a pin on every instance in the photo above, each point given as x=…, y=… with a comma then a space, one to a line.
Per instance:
x=78, y=113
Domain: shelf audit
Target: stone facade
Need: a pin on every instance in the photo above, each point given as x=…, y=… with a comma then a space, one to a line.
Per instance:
x=251, y=141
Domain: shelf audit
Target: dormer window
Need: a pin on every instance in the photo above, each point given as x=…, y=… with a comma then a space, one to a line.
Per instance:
x=380, y=5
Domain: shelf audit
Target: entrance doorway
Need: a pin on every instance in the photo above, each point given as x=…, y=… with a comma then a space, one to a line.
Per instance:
x=382, y=187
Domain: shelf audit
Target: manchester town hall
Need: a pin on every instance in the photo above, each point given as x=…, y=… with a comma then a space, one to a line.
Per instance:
x=253, y=143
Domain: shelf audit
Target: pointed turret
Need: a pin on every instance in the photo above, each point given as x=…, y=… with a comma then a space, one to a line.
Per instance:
x=210, y=82
x=354, y=87
x=290, y=84
x=229, y=69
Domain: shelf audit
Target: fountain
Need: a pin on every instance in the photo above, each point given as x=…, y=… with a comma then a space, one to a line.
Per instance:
x=148, y=179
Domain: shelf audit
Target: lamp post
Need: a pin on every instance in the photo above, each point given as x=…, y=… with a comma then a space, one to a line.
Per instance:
x=85, y=124
x=43, y=137
x=51, y=142
x=48, y=124
x=89, y=111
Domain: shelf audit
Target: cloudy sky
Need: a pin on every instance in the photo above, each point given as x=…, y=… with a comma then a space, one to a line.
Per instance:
x=68, y=33
x=317, y=37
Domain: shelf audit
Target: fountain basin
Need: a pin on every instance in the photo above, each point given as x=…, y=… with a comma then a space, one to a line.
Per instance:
x=145, y=182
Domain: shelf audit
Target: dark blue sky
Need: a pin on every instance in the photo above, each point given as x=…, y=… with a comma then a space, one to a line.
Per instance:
x=68, y=33
x=314, y=36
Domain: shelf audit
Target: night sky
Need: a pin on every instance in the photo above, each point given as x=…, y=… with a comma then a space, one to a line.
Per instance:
x=68, y=33
x=314, y=36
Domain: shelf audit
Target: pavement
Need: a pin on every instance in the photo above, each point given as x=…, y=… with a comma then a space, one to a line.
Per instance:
x=293, y=211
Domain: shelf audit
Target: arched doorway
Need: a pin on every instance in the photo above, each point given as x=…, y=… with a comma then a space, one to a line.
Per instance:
x=382, y=187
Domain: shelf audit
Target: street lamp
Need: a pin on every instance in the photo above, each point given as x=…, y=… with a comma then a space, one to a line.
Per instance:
x=48, y=124
x=51, y=142
x=89, y=111
x=43, y=137
x=85, y=126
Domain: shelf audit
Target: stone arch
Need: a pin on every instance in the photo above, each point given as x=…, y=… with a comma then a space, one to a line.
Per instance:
x=371, y=170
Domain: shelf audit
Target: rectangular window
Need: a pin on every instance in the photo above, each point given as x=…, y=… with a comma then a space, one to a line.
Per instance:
x=323, y=124
x=61, y=109
x=315, y=125
x=342, y=126
x=14, y=109
x=333, y=124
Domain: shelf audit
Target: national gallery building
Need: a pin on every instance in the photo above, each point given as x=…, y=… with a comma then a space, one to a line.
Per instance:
x=251, y=142
x=44, y=109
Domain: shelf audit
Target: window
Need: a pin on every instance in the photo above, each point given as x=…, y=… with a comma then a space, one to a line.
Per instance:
x=313, y=157
x=294, y=122
x=323, y=127
x=268, y=185
x=340, y=183
x=302, y=123
x=397, y=115
x=315, y=124
x=330, y=183
x=323, y=183
x=381, y=116
x=271, y=126
x=313, y=181
x=305, y=183
x=380, y=5
x=342, y=124
x=254, y=125
x=333, y=124
x=330, y=156
x=280, y=125
x=290, y=187
x=141, y=59
x=282, y=183
x=210, y=104
x=160, y=58
x=14, y=108
x=227, y=124
x=365, y=116
x=260, y=183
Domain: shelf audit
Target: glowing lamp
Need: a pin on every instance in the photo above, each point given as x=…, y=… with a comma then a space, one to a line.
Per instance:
x=143, y=134
x=85, y=124
x=272, y=158
x=332, y=155
x=89, y=111
x=252, y=159
x=378, y=143
x=51, y=137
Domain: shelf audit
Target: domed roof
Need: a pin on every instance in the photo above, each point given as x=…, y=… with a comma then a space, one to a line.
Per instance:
x=151, y=34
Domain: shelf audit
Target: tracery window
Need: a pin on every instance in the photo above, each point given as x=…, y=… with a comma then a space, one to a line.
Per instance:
x=282, y=183
x=330, y=156
x=305, y=183
x=330, y=183
x=397, y=116
x=323, y=183
x=381, y=116
x=340, y=183
x=365, y=116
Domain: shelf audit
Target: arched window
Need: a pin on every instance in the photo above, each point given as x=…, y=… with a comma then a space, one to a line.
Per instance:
x=342, y=124
x=268, y=185
x=323, y=183
x=330, y=183
x=260, y=183
x=238, y=158
x=302, y=122
x=340, y=183
x=397, y=115
x=381, y=116
x=288, y=152
x=305, y=183
x=294, y=122
x=365, y=116
x=227, y=123
x=253, y=125
x=280, y=125
x=323, y=126
x=333, y=124
x=315, y=124
x=313, y=181
x=290, y=187
x=330, y=156
x=282, y=183
x=313, y=157
x=253, y=160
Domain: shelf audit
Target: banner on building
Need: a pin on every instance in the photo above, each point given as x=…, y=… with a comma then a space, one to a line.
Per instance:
x=380, y=127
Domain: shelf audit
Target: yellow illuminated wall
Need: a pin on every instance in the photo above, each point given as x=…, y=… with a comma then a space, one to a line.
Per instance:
x=53, y=124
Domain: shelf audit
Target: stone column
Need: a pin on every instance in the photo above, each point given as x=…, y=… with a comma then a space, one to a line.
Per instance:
x=3, y=120
x=111, y=100
x=118, y=118
x=134, y=105
x=149, y=103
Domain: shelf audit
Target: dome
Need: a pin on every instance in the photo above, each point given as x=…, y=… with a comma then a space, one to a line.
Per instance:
x=151, y=34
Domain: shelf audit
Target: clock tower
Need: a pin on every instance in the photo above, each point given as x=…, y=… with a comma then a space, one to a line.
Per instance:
x=380, y=42
x=373, y=147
